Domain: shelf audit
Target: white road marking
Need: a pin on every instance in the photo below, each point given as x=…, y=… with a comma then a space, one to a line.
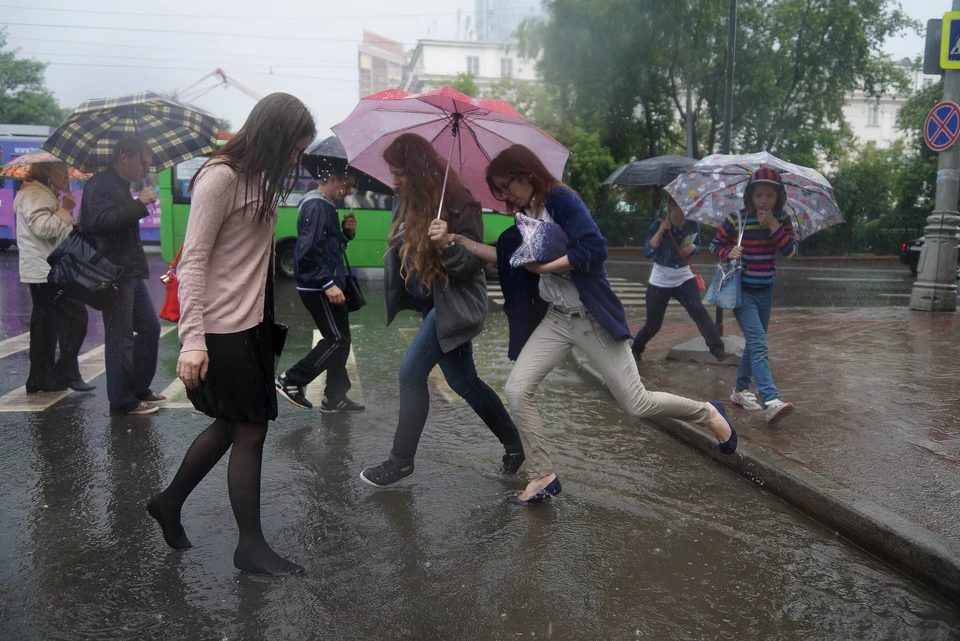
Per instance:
x=92, y=365
x=860, y=280
x=14, y=345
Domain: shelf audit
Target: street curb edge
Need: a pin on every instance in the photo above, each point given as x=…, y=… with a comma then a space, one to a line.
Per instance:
x=919, y=553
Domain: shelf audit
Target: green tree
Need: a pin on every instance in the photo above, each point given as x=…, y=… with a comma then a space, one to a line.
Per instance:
x=915, y=187
x=464, y=83
x=621, y=67
x=24, y=100
x=225, y=125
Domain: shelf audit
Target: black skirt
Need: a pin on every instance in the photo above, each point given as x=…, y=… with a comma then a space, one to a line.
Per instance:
x=239, y=387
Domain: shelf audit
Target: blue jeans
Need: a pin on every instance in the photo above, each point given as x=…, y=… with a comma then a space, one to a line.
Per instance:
x=457, y=366
x=753, y=316
x=131, y=341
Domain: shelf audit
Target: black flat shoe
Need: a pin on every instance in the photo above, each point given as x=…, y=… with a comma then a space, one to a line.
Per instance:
x=80, y=385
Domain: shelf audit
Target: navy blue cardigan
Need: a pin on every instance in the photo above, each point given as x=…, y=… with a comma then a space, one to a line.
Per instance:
x=587, y=252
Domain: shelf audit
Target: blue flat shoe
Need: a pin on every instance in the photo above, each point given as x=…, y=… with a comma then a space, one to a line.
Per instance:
x=551, y=490
x=730, y=445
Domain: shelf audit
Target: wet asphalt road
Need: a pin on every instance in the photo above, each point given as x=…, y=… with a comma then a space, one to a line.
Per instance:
x=648, y=541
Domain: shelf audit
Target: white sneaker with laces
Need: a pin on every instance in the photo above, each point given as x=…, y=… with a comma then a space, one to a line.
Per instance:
x=777, y=410
x=745, y=399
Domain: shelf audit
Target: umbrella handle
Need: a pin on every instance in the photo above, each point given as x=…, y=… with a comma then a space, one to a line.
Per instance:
x=443, y=190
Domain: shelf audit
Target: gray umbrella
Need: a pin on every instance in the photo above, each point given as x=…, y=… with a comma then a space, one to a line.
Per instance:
x=329, y=155
x=652, y=172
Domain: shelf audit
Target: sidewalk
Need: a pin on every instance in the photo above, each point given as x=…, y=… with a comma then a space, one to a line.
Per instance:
x=873, y=448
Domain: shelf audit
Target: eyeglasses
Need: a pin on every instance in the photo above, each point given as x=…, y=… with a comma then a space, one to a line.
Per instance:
x=503, y=189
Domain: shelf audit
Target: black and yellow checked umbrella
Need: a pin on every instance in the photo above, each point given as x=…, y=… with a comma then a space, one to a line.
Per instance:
x=174, y=131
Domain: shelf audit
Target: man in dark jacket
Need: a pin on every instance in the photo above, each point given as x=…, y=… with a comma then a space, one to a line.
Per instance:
x=110, y=216
x=321, y=279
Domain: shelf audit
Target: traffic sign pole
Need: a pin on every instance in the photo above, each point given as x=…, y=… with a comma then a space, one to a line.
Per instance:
x=935, y=289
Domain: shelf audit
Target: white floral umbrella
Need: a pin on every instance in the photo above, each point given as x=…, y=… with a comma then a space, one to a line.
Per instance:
x=713, y=189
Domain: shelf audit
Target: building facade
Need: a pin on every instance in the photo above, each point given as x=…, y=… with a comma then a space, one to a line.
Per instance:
x=497, y=20
x=434, y=63
x=381, y=62
x=874, y=119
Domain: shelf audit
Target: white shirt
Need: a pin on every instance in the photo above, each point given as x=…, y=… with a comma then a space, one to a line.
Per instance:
x=554, y=288
x=668, y=277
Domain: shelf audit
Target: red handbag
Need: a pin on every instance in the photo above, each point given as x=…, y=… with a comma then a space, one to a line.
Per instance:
x=170, y=311
x=702, y=286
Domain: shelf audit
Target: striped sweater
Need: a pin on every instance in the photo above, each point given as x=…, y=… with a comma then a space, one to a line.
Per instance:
x=760, y=247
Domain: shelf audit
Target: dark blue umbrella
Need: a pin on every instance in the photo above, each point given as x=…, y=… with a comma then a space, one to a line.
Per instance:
x=652, y=172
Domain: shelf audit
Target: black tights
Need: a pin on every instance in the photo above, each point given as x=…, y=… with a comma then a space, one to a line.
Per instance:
x=243, y=483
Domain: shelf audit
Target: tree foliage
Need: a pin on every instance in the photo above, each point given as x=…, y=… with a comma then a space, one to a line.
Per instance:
x=622, y=67
x=24, y=99
x=465, y=84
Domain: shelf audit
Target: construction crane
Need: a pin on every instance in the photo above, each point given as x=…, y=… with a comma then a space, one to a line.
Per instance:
x=202, y=87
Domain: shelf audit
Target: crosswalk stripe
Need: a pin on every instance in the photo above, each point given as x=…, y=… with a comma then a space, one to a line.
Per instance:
x=15, y=344
x=315, y=389
x=92, y=365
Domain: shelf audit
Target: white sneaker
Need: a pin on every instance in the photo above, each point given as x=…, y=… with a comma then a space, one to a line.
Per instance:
x=777, y=410
x=745, y=399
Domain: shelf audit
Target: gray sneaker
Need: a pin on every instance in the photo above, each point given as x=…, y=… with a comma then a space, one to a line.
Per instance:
x=143, y=409
x=777, y=410
x=745, y=399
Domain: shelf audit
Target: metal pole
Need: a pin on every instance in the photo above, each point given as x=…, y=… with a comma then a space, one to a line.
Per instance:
x=935, y=289
x=728, y=102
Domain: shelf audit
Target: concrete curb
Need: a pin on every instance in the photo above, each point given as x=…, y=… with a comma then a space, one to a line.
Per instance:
x=914, y=550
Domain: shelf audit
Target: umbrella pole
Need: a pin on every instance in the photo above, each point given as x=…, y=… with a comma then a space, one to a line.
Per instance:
x=455, y=129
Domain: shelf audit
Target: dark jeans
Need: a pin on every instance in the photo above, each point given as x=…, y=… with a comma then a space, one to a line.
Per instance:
x=331, y=353
x=54, y=320
x=457, y=366
x=131, y=342
x=687, y=295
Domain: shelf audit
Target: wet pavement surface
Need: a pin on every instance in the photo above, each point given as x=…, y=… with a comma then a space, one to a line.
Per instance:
x=649, y=540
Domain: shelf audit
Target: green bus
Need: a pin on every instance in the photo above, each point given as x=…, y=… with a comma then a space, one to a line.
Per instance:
x=366, y=250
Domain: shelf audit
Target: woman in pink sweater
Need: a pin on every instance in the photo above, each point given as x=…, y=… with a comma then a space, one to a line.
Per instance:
x=226, y=323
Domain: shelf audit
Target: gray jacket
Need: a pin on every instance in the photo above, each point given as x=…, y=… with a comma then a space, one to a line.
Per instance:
x=462, y=307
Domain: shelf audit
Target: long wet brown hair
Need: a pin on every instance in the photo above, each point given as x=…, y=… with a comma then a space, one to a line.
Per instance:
x=263, y=147
x=424, y=169
x=518, y=161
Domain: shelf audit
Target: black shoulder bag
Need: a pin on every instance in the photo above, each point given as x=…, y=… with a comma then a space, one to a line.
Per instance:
x=81, y=271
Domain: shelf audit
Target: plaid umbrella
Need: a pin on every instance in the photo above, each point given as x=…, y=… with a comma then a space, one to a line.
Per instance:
x=19, y=167
x=174, y=131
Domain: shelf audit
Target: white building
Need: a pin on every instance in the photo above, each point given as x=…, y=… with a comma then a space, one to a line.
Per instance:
x=874, y=120
x=497, y=20
x=435, y=62
x=380, y=62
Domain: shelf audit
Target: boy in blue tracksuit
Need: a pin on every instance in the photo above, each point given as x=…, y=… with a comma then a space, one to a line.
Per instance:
x=321, y=279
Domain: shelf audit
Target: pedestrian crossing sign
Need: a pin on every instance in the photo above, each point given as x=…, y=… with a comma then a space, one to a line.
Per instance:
x=950, y=44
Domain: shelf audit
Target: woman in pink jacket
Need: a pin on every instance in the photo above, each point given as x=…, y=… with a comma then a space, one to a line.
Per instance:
x=226, y=323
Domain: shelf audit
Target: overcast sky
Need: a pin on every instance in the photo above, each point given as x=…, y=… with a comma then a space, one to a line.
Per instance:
x=108, y=48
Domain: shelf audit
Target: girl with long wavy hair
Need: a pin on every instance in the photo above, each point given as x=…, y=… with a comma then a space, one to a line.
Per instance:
x=226, y=322
x=568, y=302
x=427, y=273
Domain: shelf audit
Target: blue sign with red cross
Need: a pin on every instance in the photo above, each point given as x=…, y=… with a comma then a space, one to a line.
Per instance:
x=942, y=126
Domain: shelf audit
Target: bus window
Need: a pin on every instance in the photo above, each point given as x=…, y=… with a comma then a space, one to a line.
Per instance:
x=182, y=175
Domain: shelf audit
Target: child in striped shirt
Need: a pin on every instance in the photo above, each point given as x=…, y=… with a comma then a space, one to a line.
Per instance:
x=767, y=231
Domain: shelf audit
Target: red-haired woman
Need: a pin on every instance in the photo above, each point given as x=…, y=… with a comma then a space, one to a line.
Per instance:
x=427, y=273
x=568, y=302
